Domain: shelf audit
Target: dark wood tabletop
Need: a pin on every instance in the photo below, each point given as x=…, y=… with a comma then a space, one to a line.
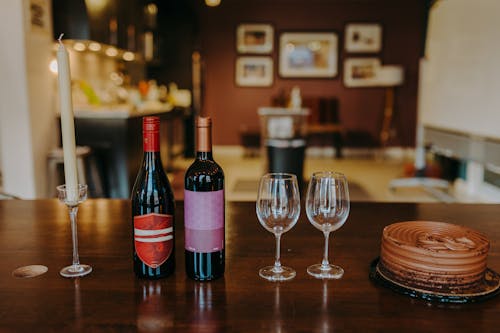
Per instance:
x=111, y=298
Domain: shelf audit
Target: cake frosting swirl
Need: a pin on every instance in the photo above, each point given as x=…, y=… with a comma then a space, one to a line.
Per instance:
x=433, y=256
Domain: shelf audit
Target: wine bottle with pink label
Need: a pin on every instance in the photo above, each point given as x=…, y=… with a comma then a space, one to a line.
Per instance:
x=204, y=210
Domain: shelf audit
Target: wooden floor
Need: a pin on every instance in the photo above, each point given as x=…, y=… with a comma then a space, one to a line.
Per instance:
x=368, y=176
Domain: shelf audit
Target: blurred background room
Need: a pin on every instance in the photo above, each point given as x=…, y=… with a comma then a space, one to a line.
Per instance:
x=401, y=96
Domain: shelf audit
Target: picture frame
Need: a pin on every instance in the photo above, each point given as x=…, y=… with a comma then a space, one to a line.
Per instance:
x=361, y=72
x=363, y=38
x=308, y=55
x=254, y=71
x=255, y=38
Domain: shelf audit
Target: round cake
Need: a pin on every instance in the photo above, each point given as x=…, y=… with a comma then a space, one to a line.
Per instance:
x=433, y=256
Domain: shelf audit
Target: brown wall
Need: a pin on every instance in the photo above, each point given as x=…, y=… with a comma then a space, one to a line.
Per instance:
x=361, y=109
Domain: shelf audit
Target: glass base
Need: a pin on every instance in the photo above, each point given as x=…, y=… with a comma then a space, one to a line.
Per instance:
x=329, y=272
x=75, y=270
x=272, y=274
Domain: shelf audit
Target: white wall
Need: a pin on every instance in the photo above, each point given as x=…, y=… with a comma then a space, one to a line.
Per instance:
x=27, y=119
x=461, y=75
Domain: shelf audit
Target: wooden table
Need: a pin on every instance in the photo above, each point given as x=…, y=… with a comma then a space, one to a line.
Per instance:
x=111, y=299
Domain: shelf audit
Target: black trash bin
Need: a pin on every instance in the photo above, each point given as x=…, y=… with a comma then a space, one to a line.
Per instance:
x=286, y=156
x=283, y=132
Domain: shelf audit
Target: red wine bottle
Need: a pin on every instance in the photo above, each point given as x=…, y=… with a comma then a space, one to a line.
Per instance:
x=204, y=210
x=153, y=210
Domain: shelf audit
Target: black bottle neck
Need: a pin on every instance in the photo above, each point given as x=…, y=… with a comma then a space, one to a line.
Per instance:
x=152, y=158
x=204, y=155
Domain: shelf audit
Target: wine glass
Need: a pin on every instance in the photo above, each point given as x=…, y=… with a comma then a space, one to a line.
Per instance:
x=327, y=208
x=76, y=269
x=278, y=209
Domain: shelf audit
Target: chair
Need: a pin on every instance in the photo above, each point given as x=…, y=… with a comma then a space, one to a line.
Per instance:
x=84, y=159
x=250, y=140
x=324, y=122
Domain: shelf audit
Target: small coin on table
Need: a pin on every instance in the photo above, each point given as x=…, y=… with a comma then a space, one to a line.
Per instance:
x=29, y=271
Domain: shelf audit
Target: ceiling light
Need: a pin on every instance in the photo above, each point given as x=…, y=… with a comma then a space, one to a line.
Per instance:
x=79, y=46
x=212, y=3
x=94, y=46
x=96, y=5
x=128, y=56
x=152, y=9
x=111, y=52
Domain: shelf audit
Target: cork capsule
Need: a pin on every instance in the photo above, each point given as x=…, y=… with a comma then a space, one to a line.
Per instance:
x=151, y=124
x=204, y=134
x=203, y=122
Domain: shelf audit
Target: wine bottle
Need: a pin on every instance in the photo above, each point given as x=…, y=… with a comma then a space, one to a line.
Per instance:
x=204, y=210
x=153, y=210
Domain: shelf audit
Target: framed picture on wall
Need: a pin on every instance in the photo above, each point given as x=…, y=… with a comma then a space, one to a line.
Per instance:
x=308, y=55
x=361, y=72
x=254, y=38
x=254, y=71
x=363, y=37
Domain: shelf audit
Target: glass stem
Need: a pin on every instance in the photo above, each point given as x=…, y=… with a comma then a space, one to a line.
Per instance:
x=325, y=264
x=73, y=210
x=277, y=264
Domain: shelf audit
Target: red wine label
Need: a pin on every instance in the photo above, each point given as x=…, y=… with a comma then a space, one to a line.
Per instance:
x=153, y=238
x=204, y=221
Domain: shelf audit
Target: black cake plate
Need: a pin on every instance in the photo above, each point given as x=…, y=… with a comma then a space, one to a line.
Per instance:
x=486, y=289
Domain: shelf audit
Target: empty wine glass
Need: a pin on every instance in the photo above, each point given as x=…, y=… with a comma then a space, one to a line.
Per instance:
x=76, y=269
x=327, y=208
x=278, y=209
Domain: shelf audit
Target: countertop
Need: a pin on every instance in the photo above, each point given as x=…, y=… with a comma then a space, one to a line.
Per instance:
x=112, y=299
x=121, y=111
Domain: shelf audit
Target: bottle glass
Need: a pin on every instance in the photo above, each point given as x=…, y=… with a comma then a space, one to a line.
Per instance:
x=153, y=210
x=204, y=210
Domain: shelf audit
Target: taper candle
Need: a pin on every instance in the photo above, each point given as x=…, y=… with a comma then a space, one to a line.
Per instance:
x=67, y=123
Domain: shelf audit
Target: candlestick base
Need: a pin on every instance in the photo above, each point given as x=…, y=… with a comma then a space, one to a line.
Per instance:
x=75, y=270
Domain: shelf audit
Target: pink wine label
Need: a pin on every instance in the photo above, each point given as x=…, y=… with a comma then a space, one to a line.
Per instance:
x=153, y=238
x=204, y=221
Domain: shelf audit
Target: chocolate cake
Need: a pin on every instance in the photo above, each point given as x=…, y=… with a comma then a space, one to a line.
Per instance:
x=433, y=256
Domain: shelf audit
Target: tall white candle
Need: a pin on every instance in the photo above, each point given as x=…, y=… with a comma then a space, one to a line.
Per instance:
x=67, y=123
